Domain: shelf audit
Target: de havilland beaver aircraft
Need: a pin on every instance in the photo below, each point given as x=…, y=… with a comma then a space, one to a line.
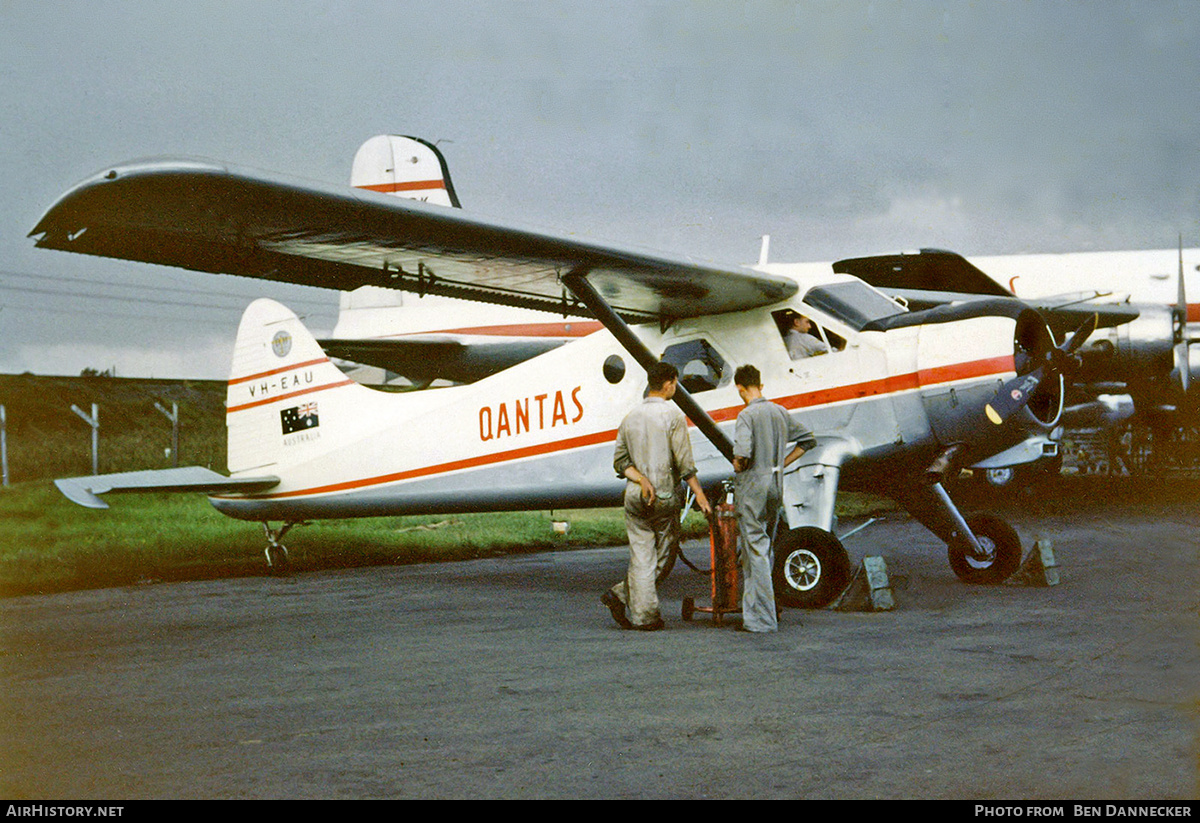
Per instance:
x=1134, y=374
x=900, y=398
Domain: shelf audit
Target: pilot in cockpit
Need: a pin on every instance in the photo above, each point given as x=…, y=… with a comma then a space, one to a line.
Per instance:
x=798, y=337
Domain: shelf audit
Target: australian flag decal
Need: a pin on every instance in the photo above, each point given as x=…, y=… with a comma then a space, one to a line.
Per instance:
x=299, y=418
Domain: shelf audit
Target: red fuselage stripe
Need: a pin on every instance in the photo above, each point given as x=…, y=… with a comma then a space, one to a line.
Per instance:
x=456, y=465
x=233, y=381
x=886, y=385
x=415, y=185
x=889, y=385
x=575, y=329
x=267, y=400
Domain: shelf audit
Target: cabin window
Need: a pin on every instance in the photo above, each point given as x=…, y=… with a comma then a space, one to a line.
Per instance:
x=614, y=369
x=700, y=367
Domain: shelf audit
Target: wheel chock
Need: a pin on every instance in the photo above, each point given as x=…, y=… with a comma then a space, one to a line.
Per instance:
x=1039, y=568
x=869, y=589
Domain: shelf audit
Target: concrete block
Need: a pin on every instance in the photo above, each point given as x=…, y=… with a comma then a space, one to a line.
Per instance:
x=1039, y=568
x=869, y=589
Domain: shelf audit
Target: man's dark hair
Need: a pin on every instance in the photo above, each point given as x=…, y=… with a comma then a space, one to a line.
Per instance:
x=747, y=376
x=660, y=374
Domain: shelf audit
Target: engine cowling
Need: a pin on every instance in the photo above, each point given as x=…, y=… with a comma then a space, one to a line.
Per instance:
x=992, y=347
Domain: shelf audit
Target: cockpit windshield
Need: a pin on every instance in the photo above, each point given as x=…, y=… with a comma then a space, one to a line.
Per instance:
x=854, y=303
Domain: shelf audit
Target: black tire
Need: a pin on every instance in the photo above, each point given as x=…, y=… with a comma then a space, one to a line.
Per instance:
x=811, y=568
x=1002, y=547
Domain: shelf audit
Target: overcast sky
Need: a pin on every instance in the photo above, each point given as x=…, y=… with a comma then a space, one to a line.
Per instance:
x=839, y=128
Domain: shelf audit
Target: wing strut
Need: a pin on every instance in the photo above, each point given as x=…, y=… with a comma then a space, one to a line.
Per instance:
x=576, y=280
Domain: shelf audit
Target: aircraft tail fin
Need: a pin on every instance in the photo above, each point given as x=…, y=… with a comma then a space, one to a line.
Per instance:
x=404, y=166
x=282, y=388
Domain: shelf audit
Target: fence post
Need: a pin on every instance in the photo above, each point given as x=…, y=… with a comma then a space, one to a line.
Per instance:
x=173, y=416
x=4, y=445
x=94, y=422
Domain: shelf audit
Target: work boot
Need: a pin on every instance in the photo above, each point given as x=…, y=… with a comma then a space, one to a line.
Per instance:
x=617, y=608
x=652, y=626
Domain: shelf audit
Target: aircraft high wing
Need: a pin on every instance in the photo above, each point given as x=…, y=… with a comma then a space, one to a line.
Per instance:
x=899, y=399
x=210, y=217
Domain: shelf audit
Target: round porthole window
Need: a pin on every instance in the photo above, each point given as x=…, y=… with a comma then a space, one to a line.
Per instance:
x=614, y=369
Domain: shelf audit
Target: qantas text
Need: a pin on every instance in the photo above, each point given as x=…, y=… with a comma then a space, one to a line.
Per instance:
x=539, y=412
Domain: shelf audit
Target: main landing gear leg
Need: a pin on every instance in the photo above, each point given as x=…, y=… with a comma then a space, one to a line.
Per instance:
x=277, y=553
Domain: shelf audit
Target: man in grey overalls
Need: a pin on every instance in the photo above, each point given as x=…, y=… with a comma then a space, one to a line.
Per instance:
x=653, y=453
x=760, y=453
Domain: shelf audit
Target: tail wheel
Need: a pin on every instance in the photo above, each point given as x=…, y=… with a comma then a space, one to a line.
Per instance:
x=277, y=559
x=811, y=568
x=1001, y=552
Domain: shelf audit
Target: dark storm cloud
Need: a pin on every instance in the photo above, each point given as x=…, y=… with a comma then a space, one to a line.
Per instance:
x=838, y=128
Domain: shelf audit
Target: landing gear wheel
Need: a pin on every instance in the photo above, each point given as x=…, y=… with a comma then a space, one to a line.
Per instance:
x=811, y=568
x=1002, y=552
x=277, y=554
x=277, y=559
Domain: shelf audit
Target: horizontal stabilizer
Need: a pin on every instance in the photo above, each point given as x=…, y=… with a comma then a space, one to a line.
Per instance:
x=928, y=270
x=431, y=358
x=934, y=277
x=85, y=490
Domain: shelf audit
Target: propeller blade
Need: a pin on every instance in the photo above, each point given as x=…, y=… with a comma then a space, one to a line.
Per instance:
x=1013, y=396
x=1182, y=366
x=1080, y=335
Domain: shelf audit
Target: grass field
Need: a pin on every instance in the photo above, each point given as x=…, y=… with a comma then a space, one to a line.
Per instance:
x=49, y=544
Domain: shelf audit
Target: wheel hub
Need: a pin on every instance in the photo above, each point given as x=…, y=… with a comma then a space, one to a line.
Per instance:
x=802, y=570
x=988, y=556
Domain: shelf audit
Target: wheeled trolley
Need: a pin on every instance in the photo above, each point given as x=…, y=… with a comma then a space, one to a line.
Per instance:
x=723, y=537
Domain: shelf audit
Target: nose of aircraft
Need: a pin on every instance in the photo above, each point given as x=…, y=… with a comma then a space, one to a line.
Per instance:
x=1041, y=366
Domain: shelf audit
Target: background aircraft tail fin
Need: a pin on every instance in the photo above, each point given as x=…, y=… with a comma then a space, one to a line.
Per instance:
x=404, y=166
x=284, y=393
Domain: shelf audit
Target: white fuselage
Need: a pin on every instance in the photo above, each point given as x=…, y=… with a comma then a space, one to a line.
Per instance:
x=541, y=434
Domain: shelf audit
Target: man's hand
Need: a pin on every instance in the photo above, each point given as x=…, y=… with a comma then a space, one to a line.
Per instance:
x=701, y=498
x=636, y=476
x=647, y=491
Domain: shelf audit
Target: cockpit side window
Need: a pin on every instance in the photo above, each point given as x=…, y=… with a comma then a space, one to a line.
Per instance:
x=701, y=367
x=804, y=338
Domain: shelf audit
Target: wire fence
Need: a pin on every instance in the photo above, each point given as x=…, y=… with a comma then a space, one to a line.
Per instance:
x=61, y=426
